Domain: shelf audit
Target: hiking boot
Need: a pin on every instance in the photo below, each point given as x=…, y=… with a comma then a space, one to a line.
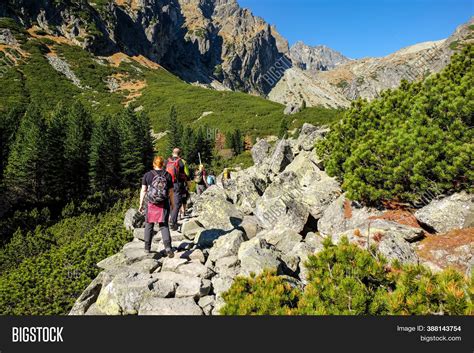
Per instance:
x=174, y=227
x=170, y=253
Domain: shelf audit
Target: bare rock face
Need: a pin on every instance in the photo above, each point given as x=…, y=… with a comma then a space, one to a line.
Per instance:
x=202, y=41
x=318, y=58
x=453, y=212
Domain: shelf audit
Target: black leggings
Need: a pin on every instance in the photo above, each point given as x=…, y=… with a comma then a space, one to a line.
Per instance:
x=165, y=235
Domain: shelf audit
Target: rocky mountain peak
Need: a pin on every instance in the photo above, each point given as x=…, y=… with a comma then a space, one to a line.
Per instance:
x=317, y=58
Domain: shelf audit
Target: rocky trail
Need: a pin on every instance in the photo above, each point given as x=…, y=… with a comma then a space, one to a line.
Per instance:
x=270, y=216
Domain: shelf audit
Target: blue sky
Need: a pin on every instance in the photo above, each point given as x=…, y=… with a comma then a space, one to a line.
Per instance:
x=360, y=28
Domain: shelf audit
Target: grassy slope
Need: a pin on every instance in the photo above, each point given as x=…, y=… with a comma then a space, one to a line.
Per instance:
x=36, y=79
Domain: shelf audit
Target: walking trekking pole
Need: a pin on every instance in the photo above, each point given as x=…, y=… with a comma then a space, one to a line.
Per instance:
x=199, y=155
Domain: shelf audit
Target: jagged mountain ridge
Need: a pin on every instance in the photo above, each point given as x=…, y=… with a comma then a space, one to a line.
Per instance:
x=199, y=40
x=318, y=58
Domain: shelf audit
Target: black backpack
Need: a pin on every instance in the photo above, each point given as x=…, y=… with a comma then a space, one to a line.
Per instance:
x=158, y=190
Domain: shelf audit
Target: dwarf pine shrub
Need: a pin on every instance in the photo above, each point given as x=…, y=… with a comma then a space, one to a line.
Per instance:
x=347, y=280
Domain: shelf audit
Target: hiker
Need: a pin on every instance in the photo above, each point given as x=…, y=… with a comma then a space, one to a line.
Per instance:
x=225, y=177
x=200, y=180
x=177, y=168
x=156, y=200
x=211, y=179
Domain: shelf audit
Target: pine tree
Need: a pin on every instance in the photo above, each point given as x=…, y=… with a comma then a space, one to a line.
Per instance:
x=76, y=151
x=25, y=171
x=174, y=130
x=146, y=139
x=188, y=144
x=132, y=165
x=9, y=122
x=282, y=133
x=104, y=158
x=54, y=148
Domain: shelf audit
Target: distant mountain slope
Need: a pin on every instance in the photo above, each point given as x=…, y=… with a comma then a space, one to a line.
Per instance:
x=367, y=77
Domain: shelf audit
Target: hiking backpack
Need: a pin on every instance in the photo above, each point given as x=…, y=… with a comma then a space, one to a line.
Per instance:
x=211, y=180
x=158, y=190
x=172, y=167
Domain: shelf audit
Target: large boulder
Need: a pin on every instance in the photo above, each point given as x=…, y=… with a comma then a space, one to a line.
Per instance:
x=308, y=136
x=214, y=211
x=169, y=306
x=453, y=212
x=282, y=238
x=260, y=151
x=250, y=227
x=387, y=237
x=342, y=215
x=186, y=285
x=207, y=304
x=245, y=189
x=281, y=157
x=316, y=189
x=281, y=205
x=123, y=295
x=226, y=245
x=133, y=219
x=90, y=294
x=257, y=255
x=191, y=228
x=227, y=266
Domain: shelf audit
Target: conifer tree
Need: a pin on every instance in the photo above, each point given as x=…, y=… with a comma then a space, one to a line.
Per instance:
x=9, y=122
x=25, y=171
x=283, y=131
x=174, y=128
x=146, y=139
x=132, y=164
x=76, y=150
x=54, y=148
x=104, y=158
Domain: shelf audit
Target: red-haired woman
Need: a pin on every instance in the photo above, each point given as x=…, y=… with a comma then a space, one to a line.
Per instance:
x=156, y=198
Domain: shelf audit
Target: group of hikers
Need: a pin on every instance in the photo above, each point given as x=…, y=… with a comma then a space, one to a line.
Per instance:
x=165, y=193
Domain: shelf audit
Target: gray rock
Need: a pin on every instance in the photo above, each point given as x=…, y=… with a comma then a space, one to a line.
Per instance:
x=260, y=151
x=113, y=262
x=221, y=284
x=206, y=238
x=336, y=219
x=169, y=306
x=281, y=205
x=90, y=294
x=123, y=295
x=133, y=219
x=227, y=266
x=284, y=239
x=250, y=227
x=292, y=109
x=385, y=236
x=173, y=264
x=453, y=212
x=191, y=228
x=186, y=286
x=215, y=212
x=244, y=189
x=207, y=304
x=226, y=245
x=281, y=157
x=308, y=137
x=197, y=255
x=195, y=269
x=6, y=37
x=164, y=289
x=257, y=255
